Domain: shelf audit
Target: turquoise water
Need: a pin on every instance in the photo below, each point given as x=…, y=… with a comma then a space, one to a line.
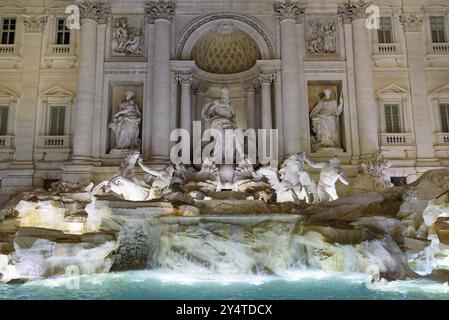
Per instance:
x=168, y=285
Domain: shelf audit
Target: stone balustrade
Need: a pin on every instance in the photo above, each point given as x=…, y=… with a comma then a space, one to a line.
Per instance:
x=387, y=48
x=396, y=139
x=6, y=141
x=7, y=49
x=54, y=142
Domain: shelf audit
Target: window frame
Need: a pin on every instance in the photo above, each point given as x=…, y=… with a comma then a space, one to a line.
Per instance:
x=391, y=31
x=6, y=128
x=9, y=31
x=65, y=32
x=50, y=130
x=399, y=115
x=443, y=30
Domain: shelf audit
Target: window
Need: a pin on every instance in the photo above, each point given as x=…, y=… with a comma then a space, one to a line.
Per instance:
x=444, y=114
x=8, y=30
x=385, y=30
x=392, y=117
x=437, y=27
x=4, y=120
x=57, y=121
x=62, y=32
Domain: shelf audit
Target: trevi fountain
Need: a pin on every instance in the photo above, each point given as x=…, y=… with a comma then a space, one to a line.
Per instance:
x=219, y=230
x=224, y=149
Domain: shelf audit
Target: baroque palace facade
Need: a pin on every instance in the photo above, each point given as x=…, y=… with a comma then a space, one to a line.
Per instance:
x=284, y=63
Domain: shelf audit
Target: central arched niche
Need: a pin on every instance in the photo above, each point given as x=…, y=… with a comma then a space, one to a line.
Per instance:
x=225, y=49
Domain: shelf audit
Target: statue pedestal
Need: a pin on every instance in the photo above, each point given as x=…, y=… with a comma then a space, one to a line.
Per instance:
x=120, y=153
x=329, y=151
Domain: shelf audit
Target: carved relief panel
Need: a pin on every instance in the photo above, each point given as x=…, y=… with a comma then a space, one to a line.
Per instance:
x=321, y=35
x=127, y=37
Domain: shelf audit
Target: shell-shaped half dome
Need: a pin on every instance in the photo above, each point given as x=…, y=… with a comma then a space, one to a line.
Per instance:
x=225, y=50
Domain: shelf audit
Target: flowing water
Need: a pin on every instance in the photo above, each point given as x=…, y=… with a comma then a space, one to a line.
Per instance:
x=215, y=258
x=169, y=285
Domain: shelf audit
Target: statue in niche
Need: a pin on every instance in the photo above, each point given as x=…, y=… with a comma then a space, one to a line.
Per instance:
x=221, y=115
x=330, y=173
x=126, y=124
x=321, y=36
x=325, y=116
x=124, y=41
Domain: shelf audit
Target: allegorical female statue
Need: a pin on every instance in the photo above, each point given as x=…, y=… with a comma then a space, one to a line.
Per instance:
x=126, y=124
x=325, y=116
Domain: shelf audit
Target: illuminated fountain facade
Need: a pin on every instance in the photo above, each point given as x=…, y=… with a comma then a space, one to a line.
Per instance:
x=123, y=192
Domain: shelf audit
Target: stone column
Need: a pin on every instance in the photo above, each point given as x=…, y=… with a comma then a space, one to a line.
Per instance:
x=267, y=115
x=363, y=74
x=251, y=122
x=91, y=12
x=186, y=111
x=162, y=13
x=287, y=12
x=200, y=95
x=416, y=52
x=26, y=115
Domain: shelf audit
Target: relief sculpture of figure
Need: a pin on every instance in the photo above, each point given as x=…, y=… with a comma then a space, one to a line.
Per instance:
x=325, y=116
x=331, y=172
x=134, y=46
x=120, y=36
x=126, y=124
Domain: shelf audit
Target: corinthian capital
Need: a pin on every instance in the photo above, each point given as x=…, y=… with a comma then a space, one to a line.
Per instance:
x=33, y=23
x=94, y=10
x=411, y=23
x=160, y=10
x=266, y=78
x=287, y=10
x=185, y=79
x=353, y=11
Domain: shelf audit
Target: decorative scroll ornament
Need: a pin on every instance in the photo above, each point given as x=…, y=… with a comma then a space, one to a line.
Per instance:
x=353, y=11
x=411, y=23
x=287, y=10
x=160, y=10
x=94, y=10
x=34, y=24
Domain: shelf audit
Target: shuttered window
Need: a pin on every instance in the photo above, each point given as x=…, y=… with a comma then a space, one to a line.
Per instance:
x=57, y=121
x=385, y=30
x=437, y=28
x=444, y=113
x=4, y=120
x=392, y=118
x=8, y=30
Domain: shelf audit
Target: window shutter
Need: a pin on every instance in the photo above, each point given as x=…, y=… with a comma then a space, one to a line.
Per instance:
x=57, y=121
x=392, y=118
x=444, y=113
x=4, y=120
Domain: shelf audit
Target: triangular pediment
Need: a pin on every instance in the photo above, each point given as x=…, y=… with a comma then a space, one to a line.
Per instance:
x=11, y=6
x=57, y=92
x=5, y=92
x=59, y=6
x=392, y=89
x=443, y=90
